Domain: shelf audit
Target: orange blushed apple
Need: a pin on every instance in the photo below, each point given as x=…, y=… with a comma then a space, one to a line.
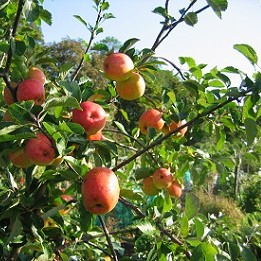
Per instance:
x=175, y=189
x=118, y=66
x=162, y=178
x=19, y=158
x=100, y=190
x=151, y=118
x=148, y=187
x=31, y=89
x=40, y=150
x=173, y=125
x=132, y=88
x=36, y=73
x=92, y=117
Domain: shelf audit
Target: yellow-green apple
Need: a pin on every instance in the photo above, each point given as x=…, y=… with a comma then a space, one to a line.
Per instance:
x=36, y=73
x=40, y=150
x=162, y=178
x=148, y=186
x=118, y=66
x=132, y=88
x=175, y=189
x=151, y=118
x=7, y=95
x=31, y=89
x=96, y=96
x=96, y=136
x=100, y=190
x=173, y=125
x=19, y=158
x=92, y=117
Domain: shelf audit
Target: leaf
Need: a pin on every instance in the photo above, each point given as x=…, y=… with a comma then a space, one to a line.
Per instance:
x=218, y=6
x=192, y=205
x=17, y=228
x=79, y=18
x=204, y=252
x=72, y=88
x=147, y=228
x=128, y=44
x=251, y=130
x=221, y=137
x=247, y=51
x=161, y=11
x=191, y=18
x=65, y=101
x=184, y=226
x=247, y=254
x=46, y=16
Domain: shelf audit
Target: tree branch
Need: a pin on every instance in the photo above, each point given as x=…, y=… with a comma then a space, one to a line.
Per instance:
x=93, y=34
x=106, y=232
x=189, y=123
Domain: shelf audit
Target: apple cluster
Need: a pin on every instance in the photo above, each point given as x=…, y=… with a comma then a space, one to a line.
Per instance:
x=152, y=118
x=119, y=67
x=162, y=178
x=38, y=150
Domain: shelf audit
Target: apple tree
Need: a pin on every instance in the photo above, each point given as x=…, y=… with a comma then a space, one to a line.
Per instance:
x=77, y=183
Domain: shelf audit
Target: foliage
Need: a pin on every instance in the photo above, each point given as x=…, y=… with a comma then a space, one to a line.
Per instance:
x=223, y=121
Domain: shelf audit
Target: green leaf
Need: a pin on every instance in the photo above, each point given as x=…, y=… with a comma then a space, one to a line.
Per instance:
x=184, y=226
x=79, y=18
x=128, y=44
x=65, y=101
x=218, y=6
x=251, y=130
x=161, y=11
x=247, y=254
x=17, y=229
x=46, y=16
x=147, y=228
x=221, y=137
x=72, y=88
x=247, y=51
x=204, y=252
x=191, y=18
x=192, y=205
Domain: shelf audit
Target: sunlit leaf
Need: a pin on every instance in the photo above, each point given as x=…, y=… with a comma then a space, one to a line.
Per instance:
x=248, y=52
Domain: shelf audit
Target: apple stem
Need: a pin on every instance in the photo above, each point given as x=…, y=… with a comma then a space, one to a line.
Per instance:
x=106, y=232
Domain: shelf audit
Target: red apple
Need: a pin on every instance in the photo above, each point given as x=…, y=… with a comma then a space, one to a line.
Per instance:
x=36, y=73
x=118, y=66
x=92, y=117
x=7, y=95
x=162, y=178
x=40, y=150
x=151, y=119
x=132, y=88
x=31, y=89
x=19, y=158
x=175, y=189
x=148, y=187
x=100, y=190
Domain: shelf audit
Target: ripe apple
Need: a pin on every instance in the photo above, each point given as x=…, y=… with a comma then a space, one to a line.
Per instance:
x=173, y=125
x=36, y=73
x=151, y=119
x=96, y=96
x=7, y=95
x=40, y=150
x=100, y=190
x=96, y=136
x=148, y=187
x=31, y=89
x=118, y=66
x=132, y=88
x=162, y=178
x=19, y=158
x=92, y=117
x=175, y=189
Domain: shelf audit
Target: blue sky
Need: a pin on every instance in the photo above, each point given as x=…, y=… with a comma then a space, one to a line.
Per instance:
x=210, y=41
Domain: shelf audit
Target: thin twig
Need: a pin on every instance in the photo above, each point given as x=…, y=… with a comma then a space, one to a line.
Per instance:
x=93, y=34
x=106, y=232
